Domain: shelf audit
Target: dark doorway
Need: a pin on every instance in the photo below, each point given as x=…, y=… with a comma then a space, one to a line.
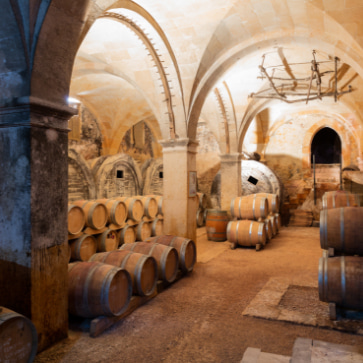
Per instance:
x=326, y=147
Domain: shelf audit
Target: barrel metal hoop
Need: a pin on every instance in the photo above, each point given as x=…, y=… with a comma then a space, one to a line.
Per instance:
x=250, y=233
x=239, y=207
x=321, y=279
x=229, y=230
x=232, y=207
x=146, y=207
x=163, y=258
x=130, y=209
x=105, y=289
x=124, y=261
x=324, y=202
x=253, y=207
x=262, y=208
x=260, y=232
x=326, y=278
x=343, y=281
x=79, y=245
x=342, y=229
x=137, y=273
x=181, y=254
x=133, y=246
x=237, y=231
x=325, y=227
x=85, y=304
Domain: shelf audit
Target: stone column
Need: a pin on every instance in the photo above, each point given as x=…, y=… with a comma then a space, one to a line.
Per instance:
x=231, y=179
x=33, y=216
x=179, y=157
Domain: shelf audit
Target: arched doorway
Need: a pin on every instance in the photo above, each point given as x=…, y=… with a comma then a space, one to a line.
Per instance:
x=326, y=146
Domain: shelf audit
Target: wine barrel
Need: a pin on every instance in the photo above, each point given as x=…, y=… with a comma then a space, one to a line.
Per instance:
x=150, y=206
x=116, y=209
x=185, y=247
x=278, y=221
x=166, y=257
x=340, y=281
x=107, y=241
x=268, y=227
x=200, y=218
x=273, y=201
x=340, y=198
x=342, y=229
x=134, y=206
x=95, y=212
x=126, y=235
x=143, y=269
x=18, y=337
x=160, y=201
x=273, y=220
x=249, y=208
x=76, y=219
x=143, y=231
x=216, y=225
x=96, y=289
x=202, y=201
x=157, y=227
x=246, y=233
x=83, y=247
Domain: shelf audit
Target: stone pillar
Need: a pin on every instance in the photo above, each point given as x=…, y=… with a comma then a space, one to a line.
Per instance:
x=231, y=179
x=179, y=157
x=33, y=216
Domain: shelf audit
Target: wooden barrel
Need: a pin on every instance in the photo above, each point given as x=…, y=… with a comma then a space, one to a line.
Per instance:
x=342, y=229
x=107, y=241
x=157, y=227
x=246, y=233
x=150, y=206
x=186, y=248
x=83, y=248
x=126, y=235
x=95, y=212
x=96, y=289
x=216, y=225
x=340, y=281
x=268, y=227
x=165, y=256
x=250, y=207
x=116, y=209
x=143, y=231
x=76, y=219
x=134, y=206
x=202, y=201
x=278, y=221
x=160, y=201
x=273, y=201
x=273, y=220
x=200, y=218
x=340, y=198
x=18, y=338
x=143, y=269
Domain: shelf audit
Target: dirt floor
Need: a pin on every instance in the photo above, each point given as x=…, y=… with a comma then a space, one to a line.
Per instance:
x=199, y=318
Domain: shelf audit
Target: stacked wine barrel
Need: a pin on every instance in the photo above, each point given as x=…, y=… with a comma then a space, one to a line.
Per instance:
x=256, y=220
x=202, y=209
x=341, y=238
x=104, y=285
x=103, y=225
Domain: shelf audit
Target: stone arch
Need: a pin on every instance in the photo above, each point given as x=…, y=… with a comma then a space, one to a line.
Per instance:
x=153, y=180
x=81, y=183
x=349, y=144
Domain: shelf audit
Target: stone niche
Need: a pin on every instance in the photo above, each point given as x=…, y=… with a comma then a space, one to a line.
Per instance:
x=153, y=174
x=116, y=176
x=81, y=184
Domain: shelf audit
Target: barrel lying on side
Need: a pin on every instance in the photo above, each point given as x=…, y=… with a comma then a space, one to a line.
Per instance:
x=83, y=247
x=96, y=289
x=246, y=233
x=268, y=227
x=273, y=200
x=143, y=231
x=274, y=226
x=249, y=208
x=339, y=199
x=340, y=281
x=143, y=269
x=107, y=241
x=157, y=227
x=216, y=225
x=186, y=248
x=95, y=212
x=166, y=257
x=126, y=235
x=134, y=207
x=342, y=229
x=117, y=212
x=18, y=337
x=150, y=206
x=76, y=219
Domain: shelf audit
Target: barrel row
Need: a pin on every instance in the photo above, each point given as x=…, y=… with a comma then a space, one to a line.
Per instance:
x=96, y=214
x=104, y=284
x=255, y=206
x=340, y=199
x=86, y=245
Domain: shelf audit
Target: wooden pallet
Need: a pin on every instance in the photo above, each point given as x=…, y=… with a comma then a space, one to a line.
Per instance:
x=98, y=325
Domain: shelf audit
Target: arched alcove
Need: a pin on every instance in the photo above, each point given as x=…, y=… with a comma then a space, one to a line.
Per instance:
x=326, y=146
